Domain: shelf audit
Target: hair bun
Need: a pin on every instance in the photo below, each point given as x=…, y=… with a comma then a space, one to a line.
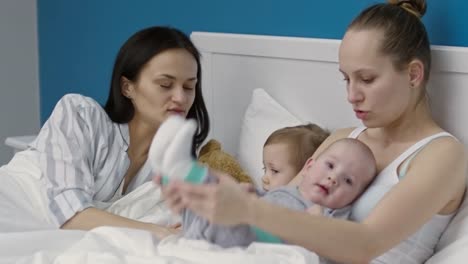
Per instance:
x=415, y=7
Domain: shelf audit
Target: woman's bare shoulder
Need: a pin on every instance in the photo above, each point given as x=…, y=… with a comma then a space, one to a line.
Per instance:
x=339, y=134
x=342, y=132
x=447, y=157
x=439, y=157
x=447, y=146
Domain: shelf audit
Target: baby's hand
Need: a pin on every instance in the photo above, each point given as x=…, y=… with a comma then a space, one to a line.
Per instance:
x=315, y=210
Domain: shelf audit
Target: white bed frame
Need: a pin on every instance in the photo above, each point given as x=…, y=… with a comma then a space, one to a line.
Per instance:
x=302, y=75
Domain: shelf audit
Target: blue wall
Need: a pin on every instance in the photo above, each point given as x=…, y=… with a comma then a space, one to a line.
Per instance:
x=79, y=39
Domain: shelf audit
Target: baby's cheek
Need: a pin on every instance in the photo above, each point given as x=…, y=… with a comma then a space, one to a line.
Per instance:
x=273, y=185
x=346, y=197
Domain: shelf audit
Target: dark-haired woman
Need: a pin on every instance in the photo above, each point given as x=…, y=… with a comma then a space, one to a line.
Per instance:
x=86, y=153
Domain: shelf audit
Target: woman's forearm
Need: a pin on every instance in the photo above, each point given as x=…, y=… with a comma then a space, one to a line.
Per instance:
x=91, y=218
x=326, y=237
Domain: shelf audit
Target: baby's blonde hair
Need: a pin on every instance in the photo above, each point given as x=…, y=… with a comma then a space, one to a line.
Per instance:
x=302, y=141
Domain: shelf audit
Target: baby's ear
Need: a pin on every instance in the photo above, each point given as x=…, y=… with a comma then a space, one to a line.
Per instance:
x=309, y=162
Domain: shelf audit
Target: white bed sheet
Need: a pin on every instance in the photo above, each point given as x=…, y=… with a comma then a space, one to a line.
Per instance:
x=119, y=245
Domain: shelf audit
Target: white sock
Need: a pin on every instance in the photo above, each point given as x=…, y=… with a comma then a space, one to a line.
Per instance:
x=161, y=141
x=170, y=151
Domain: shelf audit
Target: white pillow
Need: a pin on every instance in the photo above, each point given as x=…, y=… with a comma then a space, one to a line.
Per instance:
x=263, y=116
x=457, y=228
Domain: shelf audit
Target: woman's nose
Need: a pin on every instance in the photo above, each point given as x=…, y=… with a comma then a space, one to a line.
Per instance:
x=354, y=93
x=178, y=95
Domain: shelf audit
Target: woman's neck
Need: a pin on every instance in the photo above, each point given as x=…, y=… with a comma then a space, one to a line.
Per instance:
x=141, y=134
x=416, y=123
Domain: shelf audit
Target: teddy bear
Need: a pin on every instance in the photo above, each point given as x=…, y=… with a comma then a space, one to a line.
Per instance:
x=212, y=155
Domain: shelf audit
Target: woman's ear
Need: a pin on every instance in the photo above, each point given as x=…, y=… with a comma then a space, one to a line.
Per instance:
x=416, y=72
x=126, y=87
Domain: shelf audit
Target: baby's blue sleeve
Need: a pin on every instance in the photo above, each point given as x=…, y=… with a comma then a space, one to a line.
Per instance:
x=286, y=197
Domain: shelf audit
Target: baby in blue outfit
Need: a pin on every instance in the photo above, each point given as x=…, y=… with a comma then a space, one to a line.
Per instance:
x=329, y=183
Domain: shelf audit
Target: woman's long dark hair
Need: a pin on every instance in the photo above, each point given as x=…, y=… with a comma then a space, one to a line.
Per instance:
x=133, y=56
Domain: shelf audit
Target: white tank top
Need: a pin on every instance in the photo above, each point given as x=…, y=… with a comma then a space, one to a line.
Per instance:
x=420, y=246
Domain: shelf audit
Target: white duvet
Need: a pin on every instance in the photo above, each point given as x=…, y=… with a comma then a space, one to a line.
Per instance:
x=143, y=204
x=119, y=245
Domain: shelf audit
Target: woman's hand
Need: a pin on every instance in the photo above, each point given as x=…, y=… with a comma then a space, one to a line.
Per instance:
x=92, y=217
x=222, y=202
x=162, y=232
x=172, y=195
x=225, y=203
x=176, y=226
x=248, y=187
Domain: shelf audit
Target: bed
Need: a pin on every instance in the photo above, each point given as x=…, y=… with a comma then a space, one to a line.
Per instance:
x=254, y=84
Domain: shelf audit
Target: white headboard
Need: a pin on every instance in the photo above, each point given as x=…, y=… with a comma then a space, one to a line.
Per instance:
x=302, y=75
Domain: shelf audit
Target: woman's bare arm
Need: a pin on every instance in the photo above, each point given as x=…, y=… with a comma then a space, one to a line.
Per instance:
x=319, y=234
x=91, y=218
x=436, y=176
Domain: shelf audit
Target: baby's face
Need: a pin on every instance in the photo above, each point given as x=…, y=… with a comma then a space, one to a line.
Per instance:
x=277, y=166
x=337, y=177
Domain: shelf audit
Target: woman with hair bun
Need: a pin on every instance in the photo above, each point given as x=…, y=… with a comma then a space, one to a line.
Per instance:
x=385, y=60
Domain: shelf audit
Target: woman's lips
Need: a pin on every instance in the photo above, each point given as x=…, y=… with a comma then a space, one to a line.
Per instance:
x=361, y=114
x=176, y=111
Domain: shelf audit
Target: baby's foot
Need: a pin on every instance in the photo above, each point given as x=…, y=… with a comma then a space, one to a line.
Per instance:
x=161, y=140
